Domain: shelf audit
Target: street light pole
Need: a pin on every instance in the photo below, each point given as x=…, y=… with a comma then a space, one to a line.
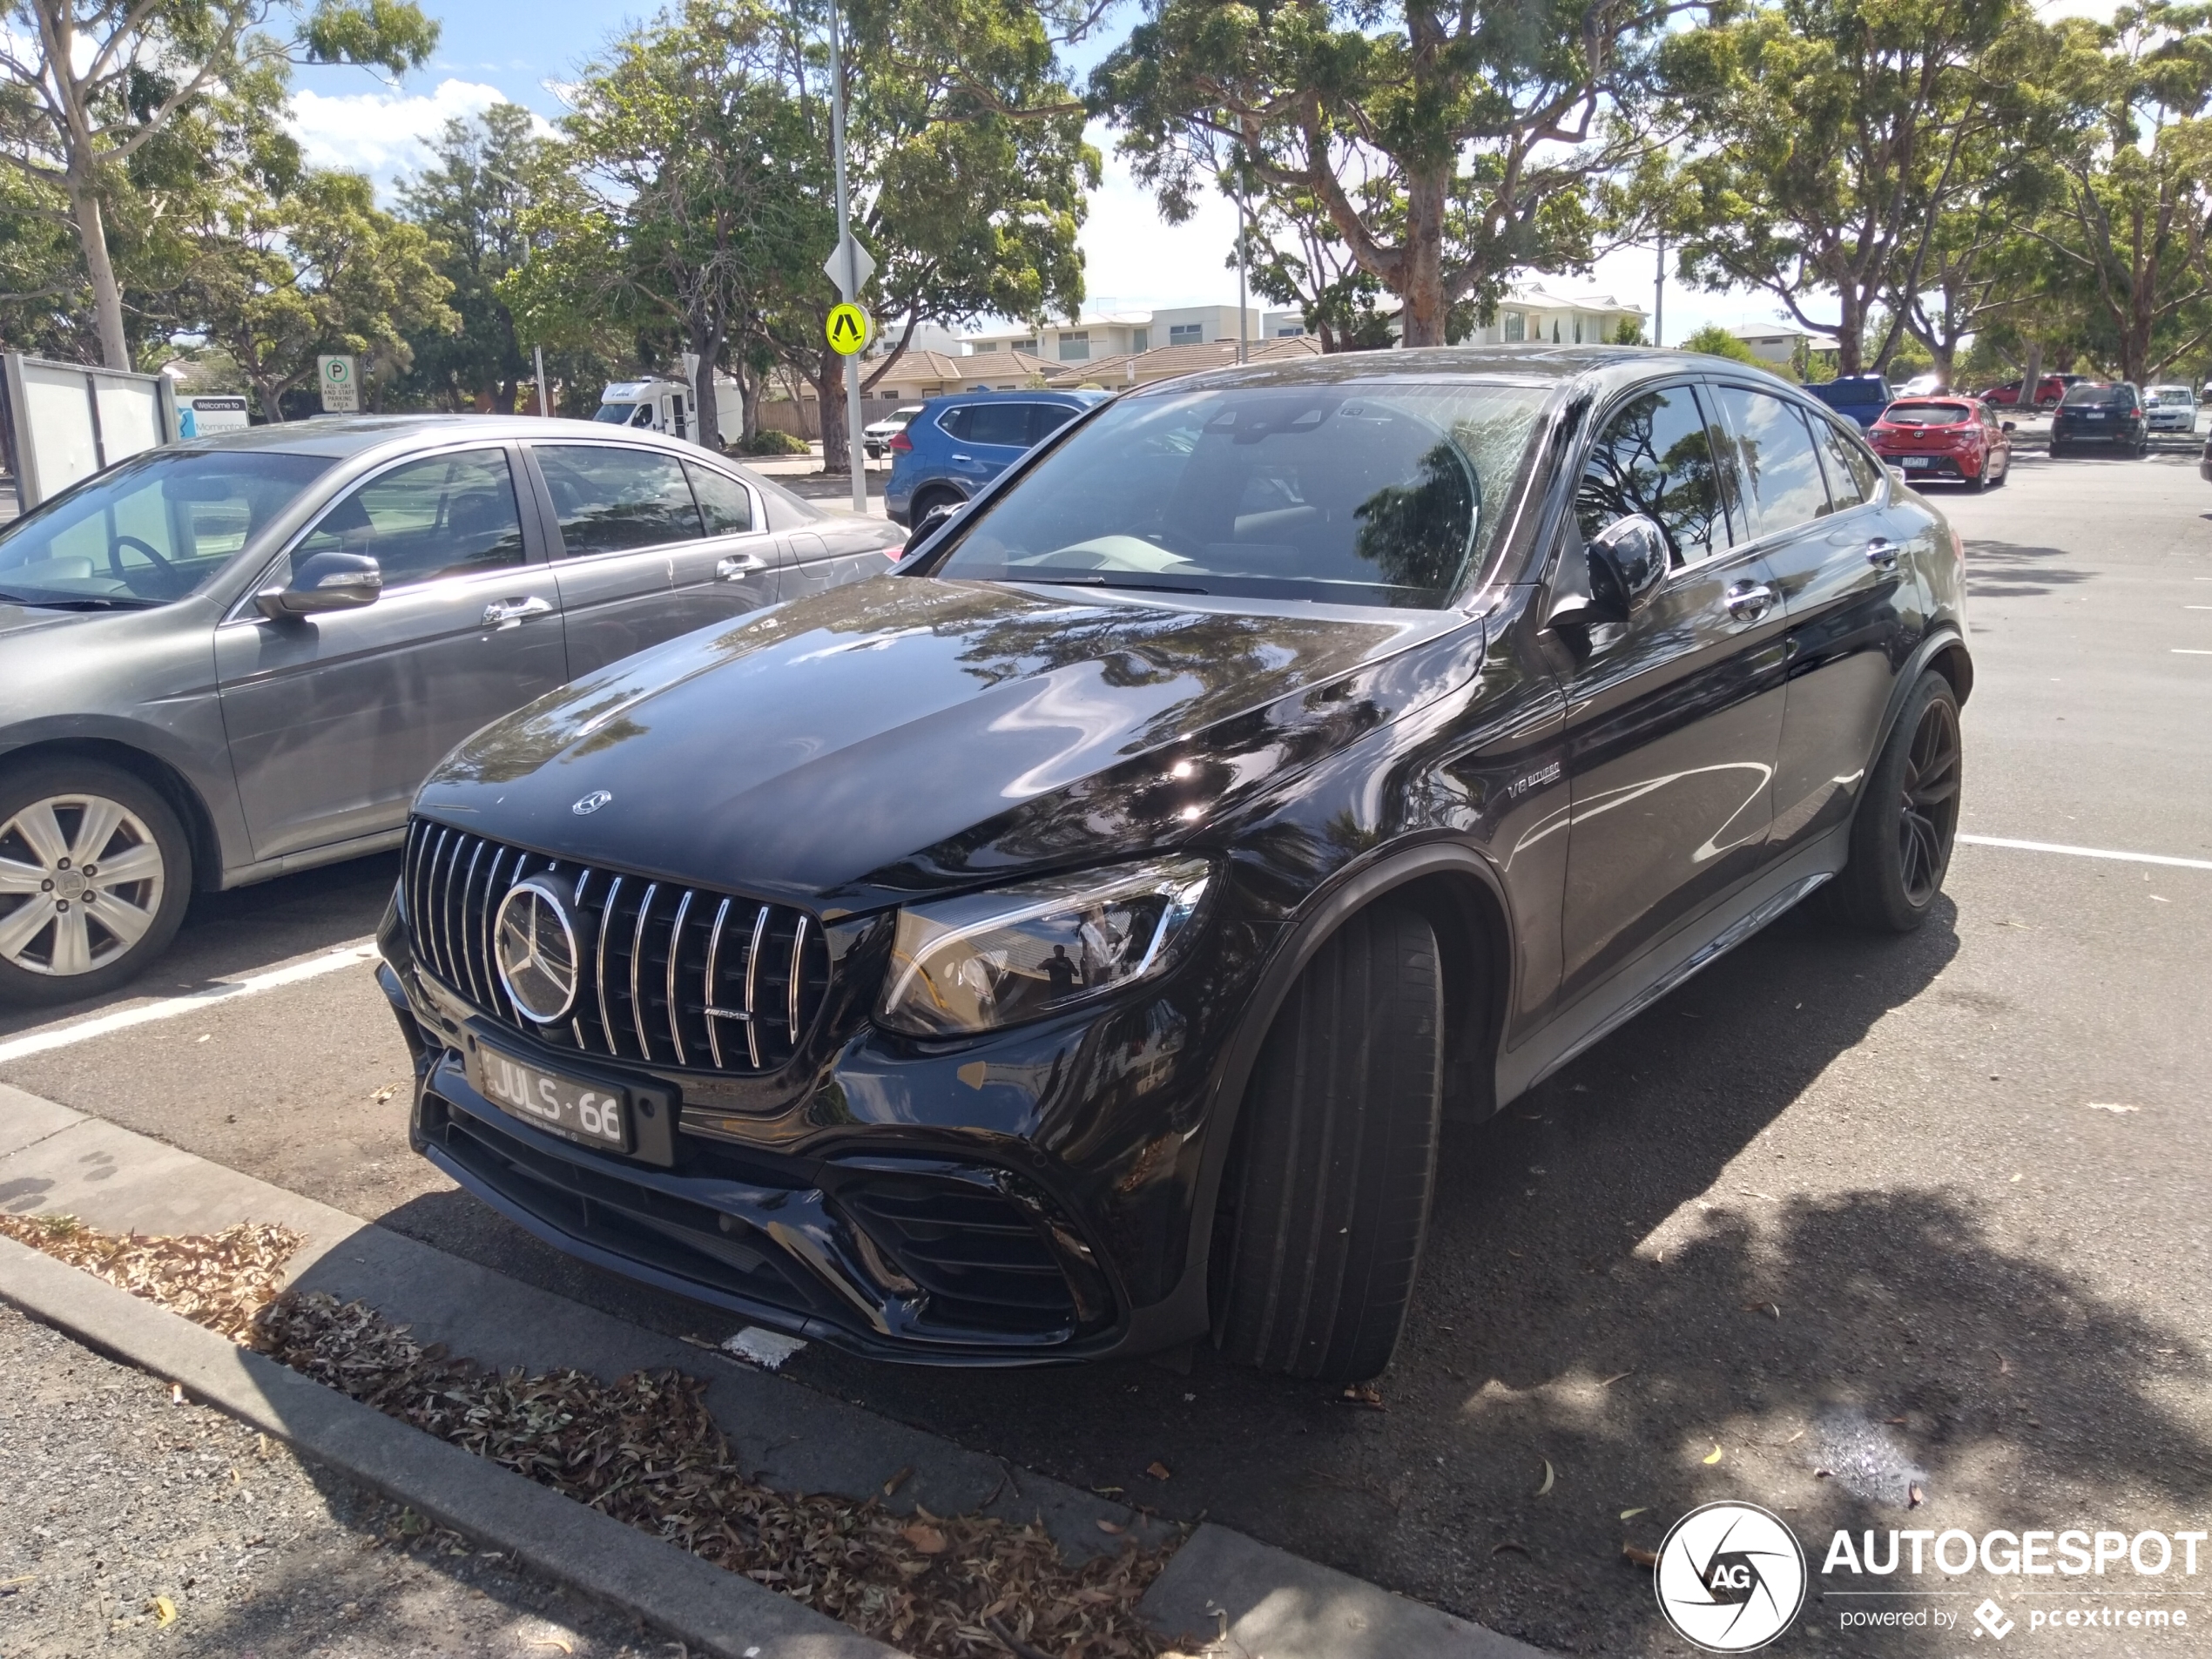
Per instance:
x=1659, y=296
x=857, y=457
x=537, y=351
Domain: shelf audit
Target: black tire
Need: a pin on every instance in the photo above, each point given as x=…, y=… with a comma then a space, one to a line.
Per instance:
x=927, y=501
x=36, y=969
x=1326, y=1199
x=2057, y=449
x=1908, y=817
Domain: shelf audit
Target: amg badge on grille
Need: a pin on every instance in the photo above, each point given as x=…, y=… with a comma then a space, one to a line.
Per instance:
x=592, y=802
x=536, y=944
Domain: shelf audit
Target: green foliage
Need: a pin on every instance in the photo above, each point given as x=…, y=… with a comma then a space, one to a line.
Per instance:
x=773, y=440
x=1715, y=341
x=276, y=282
x=1629, y=332
x=1443, y=152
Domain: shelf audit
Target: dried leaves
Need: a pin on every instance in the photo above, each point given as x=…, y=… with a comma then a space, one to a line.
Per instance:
x=646, y=1451
x=220, y=1280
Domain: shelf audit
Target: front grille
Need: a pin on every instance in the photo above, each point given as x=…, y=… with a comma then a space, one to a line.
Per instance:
x=978, y=1259
x=671, y=975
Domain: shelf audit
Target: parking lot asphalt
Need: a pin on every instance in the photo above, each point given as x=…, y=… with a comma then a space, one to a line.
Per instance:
x=1865, y=1217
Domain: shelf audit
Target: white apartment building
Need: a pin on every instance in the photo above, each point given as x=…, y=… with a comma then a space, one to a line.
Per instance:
x=1537, y=315
x=1116, y=333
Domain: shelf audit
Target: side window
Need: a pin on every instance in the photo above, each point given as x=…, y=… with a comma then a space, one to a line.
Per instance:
x=446, y=515
x=1045, y=419
x=1852, y=477
x=1002, y=423
x=955, y=421
x=1655, y=457
x=609, y=499
x=1784, y=488
x=723, y=503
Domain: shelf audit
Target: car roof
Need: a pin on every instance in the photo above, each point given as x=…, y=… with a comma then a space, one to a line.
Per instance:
x=985, y=395
x=342, y=435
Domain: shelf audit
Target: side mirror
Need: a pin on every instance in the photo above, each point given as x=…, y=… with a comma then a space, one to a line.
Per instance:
x=1628, y=562
x=324, y=582
x=927, y=525
x=2011, y=426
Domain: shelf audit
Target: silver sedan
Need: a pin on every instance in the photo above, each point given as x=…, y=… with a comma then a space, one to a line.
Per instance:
x=231, y=659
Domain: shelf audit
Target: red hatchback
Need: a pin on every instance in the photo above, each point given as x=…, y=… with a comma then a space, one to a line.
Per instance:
x=1945, y=437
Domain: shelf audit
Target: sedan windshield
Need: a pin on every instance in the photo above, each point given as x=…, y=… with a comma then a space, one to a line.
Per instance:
x=1362, y=496
x=153, y=528
x=1927, y=415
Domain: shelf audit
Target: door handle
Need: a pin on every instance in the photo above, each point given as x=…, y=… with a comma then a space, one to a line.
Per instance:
x=1881, y=553
x=963, y=460
x=738, y=566
x=1748, y=601
x=509, y=613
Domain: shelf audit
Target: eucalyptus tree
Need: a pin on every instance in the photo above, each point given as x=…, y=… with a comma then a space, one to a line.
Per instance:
x=86, y=86
x=1445, y=145
x=1826, y=138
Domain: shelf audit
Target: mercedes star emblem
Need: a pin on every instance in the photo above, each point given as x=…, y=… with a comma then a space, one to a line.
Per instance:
x=536, y=945
x=592, y=802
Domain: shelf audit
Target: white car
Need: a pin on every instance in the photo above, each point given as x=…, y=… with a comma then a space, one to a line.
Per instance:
x=877, y=435
x=2169, y=408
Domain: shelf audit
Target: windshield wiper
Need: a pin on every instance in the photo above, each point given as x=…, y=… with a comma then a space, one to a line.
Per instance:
x=1103, y=582
x=78, y=602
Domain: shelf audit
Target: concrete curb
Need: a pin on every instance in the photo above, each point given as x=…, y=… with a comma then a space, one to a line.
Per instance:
x=720, y=1612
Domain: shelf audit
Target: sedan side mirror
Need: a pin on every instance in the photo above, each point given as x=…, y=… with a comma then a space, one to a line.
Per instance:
x=324, y=582
x=1628, y=562
x=927, y=525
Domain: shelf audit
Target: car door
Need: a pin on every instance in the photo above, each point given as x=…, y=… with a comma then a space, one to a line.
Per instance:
x=1674, y=717
x=992, y=436
x=335, y=719
x=1816, y=503
x=637, y=558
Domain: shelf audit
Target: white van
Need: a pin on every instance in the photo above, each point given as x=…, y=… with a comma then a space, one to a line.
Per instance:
x=667, y=406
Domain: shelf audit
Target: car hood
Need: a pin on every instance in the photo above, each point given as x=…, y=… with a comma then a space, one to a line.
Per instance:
x=906, y=735
x=23, y=619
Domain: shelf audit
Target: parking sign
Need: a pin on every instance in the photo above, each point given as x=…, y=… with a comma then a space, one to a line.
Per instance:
x=341, y=392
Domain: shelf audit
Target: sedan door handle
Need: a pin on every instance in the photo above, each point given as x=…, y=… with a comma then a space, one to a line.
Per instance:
x=738, y=566
x=1881, y=553
x=1748, y=601
x=509, y=613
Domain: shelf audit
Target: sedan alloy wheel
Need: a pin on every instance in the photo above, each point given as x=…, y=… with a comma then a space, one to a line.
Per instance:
x=86, y=877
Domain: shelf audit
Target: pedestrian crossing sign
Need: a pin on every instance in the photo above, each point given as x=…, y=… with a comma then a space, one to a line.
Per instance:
x=848, y=329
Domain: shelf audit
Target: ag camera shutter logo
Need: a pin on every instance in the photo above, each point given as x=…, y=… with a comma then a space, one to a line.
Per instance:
x=1731, y=1578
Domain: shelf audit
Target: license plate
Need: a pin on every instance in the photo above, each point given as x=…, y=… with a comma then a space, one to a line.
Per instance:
x=590, y=1113
x=2093, y=415
x=1919, y=461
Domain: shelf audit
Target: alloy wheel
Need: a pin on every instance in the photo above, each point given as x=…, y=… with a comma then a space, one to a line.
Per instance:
x=1929, y=813
x=81, y=881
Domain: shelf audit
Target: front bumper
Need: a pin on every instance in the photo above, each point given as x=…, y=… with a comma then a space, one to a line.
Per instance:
x=1017, y=1200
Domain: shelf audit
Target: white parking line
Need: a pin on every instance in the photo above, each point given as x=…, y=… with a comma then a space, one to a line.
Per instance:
x=348, y=955
x=2087, y=851
x=2183, y=650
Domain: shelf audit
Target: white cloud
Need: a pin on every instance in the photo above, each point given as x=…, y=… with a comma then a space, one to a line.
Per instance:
x=386, y=135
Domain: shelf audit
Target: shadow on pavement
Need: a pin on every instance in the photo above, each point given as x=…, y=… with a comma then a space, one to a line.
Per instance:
x=2012, y=570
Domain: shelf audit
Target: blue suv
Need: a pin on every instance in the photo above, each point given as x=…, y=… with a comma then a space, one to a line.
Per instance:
x=958, y=444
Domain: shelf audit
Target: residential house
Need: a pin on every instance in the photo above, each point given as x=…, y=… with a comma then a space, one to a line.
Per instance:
x=1779, y=344
x=1089, y=340
x=1534, y=316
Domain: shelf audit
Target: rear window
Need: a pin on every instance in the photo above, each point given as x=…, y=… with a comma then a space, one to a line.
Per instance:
x=1368, y=496
x=2077, y=397
x=1927, y=415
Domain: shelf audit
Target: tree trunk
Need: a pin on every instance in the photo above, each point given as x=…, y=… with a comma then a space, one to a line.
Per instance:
x=707, y=340
x=1850, y=330
x=270, y=394
x=107, y=297
x=2030, y=376
x=1422, y=321
x=829, y=390
x=749, y=385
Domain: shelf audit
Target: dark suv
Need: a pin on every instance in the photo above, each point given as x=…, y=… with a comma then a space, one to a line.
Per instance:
x=2100, y=412
x=1069, y=943
x=958, y=444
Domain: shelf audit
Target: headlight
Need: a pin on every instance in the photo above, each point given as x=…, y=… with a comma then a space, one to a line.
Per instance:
x=993, y=958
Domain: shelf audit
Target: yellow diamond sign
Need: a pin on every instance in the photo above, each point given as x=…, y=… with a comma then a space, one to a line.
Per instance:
x=848, y=329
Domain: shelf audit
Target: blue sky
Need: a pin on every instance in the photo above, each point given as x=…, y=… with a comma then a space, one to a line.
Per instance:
x=493, y=50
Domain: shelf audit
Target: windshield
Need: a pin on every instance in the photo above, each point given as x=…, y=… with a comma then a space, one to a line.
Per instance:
x=2085, y=393
x=2170, y=395
x=1369, y=496
x=617, y=414
x=1926, y=414
x=154, y=529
